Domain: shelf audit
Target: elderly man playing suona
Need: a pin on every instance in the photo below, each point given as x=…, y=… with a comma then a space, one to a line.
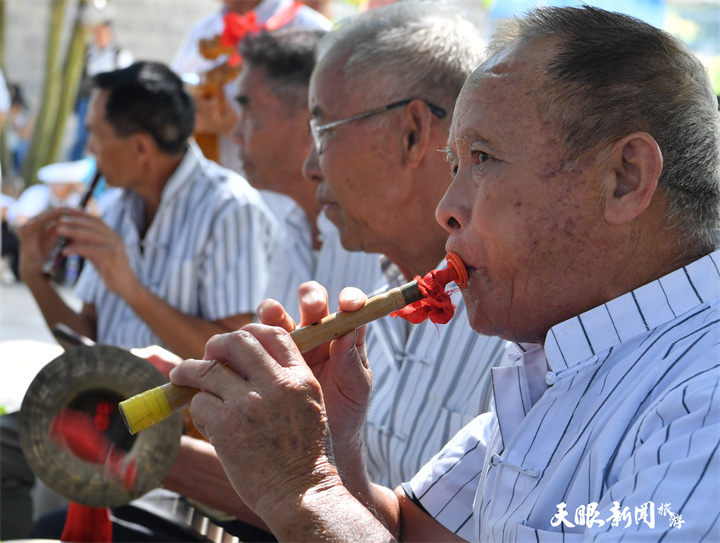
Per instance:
x=585, y=155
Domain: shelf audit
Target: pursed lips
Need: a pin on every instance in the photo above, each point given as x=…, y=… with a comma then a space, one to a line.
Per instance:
x=450, y=247
x=322, y=198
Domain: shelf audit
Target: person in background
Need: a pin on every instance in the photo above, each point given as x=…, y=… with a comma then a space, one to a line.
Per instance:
x=9, y=240
x=61, y=185
x=181, y=252
x=272, y=94
x=377, y=130
x=9, y=246
x=587, y=214
x=21, y=122
x=216, y=113
x=103, y=55
x=4, y=106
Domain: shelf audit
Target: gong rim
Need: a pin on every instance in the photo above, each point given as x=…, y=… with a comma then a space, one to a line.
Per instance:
x=87, y=369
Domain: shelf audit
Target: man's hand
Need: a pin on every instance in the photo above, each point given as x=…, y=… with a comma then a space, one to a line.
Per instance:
x=340, y=366
x=262, y=409
x=94, y=240
x=38, y=236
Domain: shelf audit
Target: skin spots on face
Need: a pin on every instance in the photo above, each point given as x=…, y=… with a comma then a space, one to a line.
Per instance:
x=518, y=217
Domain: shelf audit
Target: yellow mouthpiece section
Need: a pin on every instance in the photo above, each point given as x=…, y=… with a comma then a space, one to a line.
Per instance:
x=145, y=409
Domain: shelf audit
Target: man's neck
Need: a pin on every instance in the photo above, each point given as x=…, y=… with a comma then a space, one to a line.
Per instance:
x=303, y=193
x=154, y=184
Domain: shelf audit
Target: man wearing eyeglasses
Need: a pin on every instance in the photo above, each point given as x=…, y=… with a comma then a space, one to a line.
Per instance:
x=381, y=99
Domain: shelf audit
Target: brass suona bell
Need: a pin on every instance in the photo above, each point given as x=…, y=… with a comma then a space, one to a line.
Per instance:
x=426, y=296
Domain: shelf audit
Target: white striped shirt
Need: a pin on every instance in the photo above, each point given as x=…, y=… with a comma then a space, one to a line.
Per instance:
x=338, y=268
x=205, y=253
x=619, y=415
x=296, y=262
x=428, y=382
x=293, y=262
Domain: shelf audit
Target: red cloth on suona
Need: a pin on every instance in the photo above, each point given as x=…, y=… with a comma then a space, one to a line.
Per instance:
x=436, y=304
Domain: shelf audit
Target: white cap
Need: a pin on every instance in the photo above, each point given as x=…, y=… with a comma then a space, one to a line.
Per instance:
x=78, y=171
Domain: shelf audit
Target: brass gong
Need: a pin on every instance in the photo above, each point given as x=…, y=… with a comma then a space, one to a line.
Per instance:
x=80, y=379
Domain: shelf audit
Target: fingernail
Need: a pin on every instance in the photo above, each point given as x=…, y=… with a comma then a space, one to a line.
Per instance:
x=312, y=297
x=353, y=347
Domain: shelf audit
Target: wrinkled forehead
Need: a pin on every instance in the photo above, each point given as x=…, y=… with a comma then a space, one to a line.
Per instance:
x=510, y=81
x=330, y=70
x=518, y=66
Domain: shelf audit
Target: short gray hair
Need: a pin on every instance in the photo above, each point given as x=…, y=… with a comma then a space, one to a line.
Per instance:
x=288, y=56
x=406, y=50
x=612, y=75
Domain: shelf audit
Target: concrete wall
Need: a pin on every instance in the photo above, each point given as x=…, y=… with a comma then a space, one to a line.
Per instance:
x=151, y=29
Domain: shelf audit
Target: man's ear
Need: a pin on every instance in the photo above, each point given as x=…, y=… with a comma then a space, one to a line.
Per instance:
x=143, y=145
x=633, y=170
x=417, y=132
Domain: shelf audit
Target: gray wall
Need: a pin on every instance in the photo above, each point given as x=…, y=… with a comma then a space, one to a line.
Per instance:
x=151, y=29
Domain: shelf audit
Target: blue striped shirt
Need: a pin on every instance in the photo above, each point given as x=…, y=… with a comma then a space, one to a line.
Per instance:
x=610, y=433
x=428, y=382
x=205, y=253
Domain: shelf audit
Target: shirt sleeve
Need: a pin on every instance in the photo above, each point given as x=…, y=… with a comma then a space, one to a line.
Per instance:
x=446, y=486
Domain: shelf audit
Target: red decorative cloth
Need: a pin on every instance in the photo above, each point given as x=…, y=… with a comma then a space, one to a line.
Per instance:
x=87, y=524
x=435, y=305
x=237, y=26
x=82, y=435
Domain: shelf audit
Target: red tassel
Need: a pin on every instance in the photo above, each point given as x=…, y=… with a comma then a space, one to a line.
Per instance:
x=87, y=524
x=436, y=304
x=237, y=26
x=80, y=434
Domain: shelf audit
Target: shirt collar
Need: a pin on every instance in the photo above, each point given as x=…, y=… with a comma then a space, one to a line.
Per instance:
x=634, y=313
x=184, y=174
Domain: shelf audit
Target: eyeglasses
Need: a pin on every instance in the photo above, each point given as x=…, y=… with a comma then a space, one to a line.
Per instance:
x=316, y=130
